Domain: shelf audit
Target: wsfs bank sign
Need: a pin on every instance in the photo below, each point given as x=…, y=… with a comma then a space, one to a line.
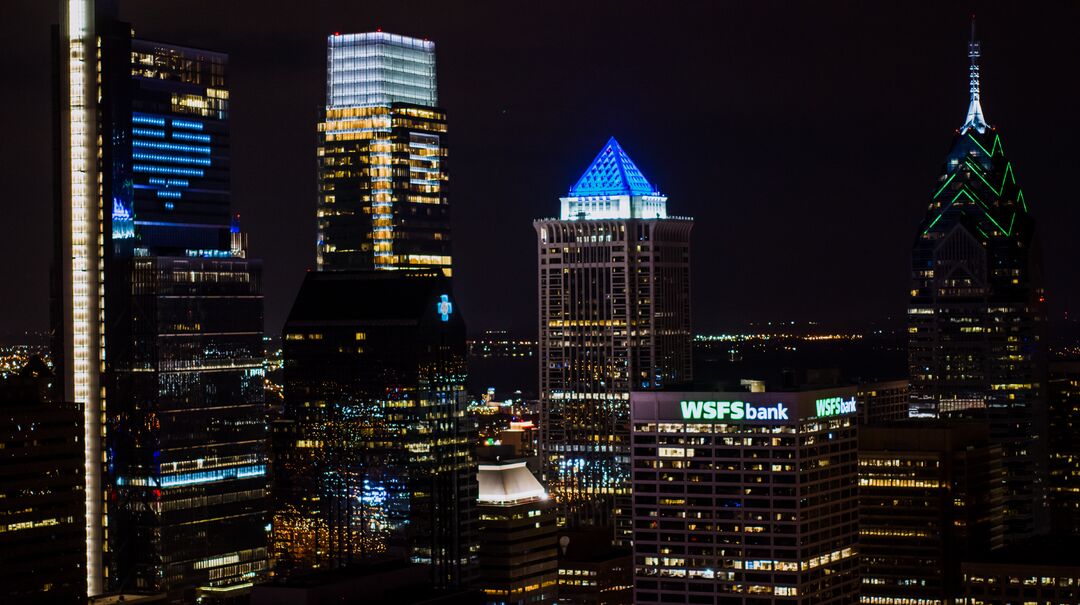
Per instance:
x=835, y=406
x=731, y=410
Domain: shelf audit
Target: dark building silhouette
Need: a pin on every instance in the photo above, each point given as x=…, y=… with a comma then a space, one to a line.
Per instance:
x=1036, y=570
x=383, y=582
x=930, y=494
x=593, y=571
x=42, y=504
x=157, y=314
x=374, y=454
x=1064, y=446
x=976, y=314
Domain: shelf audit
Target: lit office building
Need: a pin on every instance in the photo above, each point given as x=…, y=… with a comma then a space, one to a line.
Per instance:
x=930, y=494
x=382, y=157
x=1042, y=571
x=374, y=455
x=1064, y=446
x=976, y=313
x=885, y=401
x=614, y=288
x=517, y=536
x=42, y=505
x=745, y=497
x=158, y=312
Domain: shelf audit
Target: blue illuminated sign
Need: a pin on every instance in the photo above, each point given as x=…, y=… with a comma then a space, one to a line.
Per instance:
x=445, y=307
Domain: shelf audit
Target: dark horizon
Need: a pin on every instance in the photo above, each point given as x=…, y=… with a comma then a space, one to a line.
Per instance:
x=803, y=140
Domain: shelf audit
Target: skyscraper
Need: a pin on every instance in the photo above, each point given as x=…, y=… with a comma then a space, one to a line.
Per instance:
x=614, y=288
x=382, y=157
x=930, y=494
x=158, y=312
x=374, y=455
x=976, y=313
x=746, y=497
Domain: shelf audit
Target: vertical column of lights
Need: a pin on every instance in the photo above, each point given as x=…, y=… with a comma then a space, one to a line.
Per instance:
x=382, y=202
x=85, y=272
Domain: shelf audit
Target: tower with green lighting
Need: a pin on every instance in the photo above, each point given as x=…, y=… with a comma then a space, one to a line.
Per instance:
x=975, y=322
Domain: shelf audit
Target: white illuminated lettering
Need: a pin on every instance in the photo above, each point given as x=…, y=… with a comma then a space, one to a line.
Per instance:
x=732, y=410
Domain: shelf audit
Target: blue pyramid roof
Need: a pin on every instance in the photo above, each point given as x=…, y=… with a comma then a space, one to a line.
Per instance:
x=612, y=173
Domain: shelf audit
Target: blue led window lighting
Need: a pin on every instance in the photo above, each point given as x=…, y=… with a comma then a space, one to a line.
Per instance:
x=612, y=172
x=187, y=124
x=175, y=159
x=222, y=474
x=187, y=136
x=141, y=118
x=171, y=147
x=167, y=170
x=147, y=132
x=177, y=182
x=169, y=194
x=156, y=181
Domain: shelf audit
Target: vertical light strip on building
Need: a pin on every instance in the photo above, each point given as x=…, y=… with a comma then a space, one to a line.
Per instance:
x=84, y=278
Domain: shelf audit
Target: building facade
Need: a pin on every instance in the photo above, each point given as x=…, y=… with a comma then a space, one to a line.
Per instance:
x=42, y=505
x=1043, y=570
x=374, y=455
x=1064, y=446
x=885, y=401
x=614, y=289
x=382, y=157
x=745, y=497
x=158, y=312
x=592, y=570
x=930, y=495
x=976, y=316
x=518, y=558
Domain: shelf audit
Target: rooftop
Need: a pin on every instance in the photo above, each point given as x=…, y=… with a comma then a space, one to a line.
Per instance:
x=508, y=483
x=612, y=172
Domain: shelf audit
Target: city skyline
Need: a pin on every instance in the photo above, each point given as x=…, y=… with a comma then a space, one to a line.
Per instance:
x=518, y=139
x=725, y=401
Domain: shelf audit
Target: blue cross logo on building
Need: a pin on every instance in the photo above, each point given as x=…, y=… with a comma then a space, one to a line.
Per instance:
x=445, y=307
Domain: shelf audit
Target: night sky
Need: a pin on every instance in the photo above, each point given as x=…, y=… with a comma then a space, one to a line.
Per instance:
x=804, y=138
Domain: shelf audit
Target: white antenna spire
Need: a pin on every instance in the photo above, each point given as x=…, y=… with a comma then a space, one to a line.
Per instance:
x=975, y=117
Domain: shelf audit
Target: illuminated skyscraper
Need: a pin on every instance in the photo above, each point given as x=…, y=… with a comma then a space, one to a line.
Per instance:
x=976, y=313
x=746, y=498
x=158, y=312
x=382, y=157
x=614, y=285
x=374, y=455
x=42, y=522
